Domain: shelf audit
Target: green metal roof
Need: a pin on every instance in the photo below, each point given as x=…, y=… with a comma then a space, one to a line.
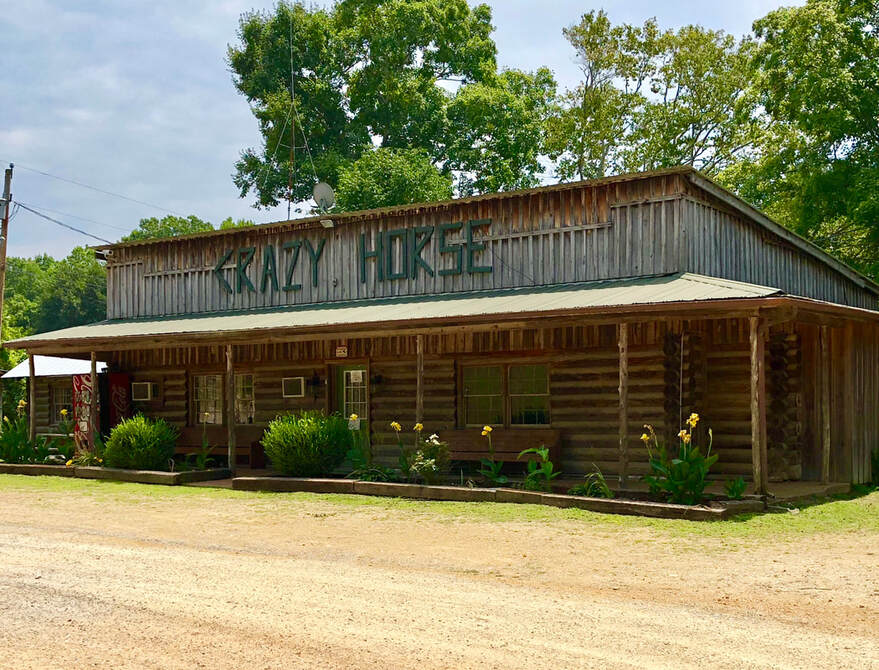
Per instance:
x=685, y=287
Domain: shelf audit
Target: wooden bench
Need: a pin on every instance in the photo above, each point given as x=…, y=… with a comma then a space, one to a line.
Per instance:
x=469, y=445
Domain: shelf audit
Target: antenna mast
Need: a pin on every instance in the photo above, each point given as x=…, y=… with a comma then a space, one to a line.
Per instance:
x=293, y=127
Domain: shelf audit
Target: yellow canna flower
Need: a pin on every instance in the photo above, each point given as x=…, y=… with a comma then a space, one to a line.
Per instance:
x=686, y=438
x=353, y=417
x=63, y=411
x=69, y=463
x=486, y=429
x=645, y=437
x=682, y=434
x=484, y=433
x=396, y=426
x=693, y=420
x=418, y=427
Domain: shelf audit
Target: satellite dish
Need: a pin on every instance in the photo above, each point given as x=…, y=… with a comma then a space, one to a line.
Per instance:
x=324, y=196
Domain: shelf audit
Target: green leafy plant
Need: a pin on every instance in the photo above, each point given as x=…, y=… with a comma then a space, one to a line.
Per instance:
x=491, y=469
x=307, y=444
x=593, y=486
x=681, y=477
x=431, y=459
x=140, y=443
x=735, y=488
x=362, y=465
x=539, y=473
x=201, y=459
x=88, y=457
x=15, y=443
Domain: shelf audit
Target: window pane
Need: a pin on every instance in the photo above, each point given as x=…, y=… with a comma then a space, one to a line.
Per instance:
x=62, y=398
x=483, y=399
x=355, y=398
x=208, y=398
x=528, y=379
x=529, y=395
x=244, y=405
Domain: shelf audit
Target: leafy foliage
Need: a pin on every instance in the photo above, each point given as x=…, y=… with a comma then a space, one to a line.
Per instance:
x=167, y=226
x=15, y=444
x=307, y=444
x=679, y=477
x=735, y=488
x=540, y=473
x=594, y=486
x=140, y=443
x=385, y=177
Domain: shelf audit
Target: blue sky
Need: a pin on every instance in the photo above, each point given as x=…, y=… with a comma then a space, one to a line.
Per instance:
x=136, y=98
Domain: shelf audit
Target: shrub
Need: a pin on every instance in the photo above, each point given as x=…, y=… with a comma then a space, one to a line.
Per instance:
x=15, y=444
x=594, y=486
x=682, y=477
x=140, y=443
x=308, y=444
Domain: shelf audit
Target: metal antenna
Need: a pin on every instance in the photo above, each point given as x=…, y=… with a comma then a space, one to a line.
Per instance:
x=293, y=133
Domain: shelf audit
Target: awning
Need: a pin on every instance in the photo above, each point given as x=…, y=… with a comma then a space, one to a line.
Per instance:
x=536, y=301
x=53, y=366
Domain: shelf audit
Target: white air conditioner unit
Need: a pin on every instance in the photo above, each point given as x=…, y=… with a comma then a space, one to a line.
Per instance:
x=143, y=391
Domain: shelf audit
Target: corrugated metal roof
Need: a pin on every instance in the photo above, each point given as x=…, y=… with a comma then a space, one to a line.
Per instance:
x=53, y=366
x=685, y=287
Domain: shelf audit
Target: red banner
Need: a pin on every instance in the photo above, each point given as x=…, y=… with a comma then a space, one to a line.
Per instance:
x=119, y=397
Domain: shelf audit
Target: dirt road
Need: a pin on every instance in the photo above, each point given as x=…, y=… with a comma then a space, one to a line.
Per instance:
x=109, y=576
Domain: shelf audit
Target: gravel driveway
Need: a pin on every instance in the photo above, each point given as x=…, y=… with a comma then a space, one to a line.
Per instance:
x=117, y=576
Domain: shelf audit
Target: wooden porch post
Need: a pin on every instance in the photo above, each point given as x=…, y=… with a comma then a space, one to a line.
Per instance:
x=825, y=404
x=31, y=398
x=93, y=402
x=230, y=409
x=624, y=402
x=758, y=405
x=419, y=385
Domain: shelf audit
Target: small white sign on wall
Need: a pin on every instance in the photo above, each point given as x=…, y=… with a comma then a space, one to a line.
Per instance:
x=355, y=376
x=342, y=351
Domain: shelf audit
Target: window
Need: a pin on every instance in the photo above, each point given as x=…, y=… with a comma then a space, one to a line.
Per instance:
x=207, y=394
x=244, y=405
x=354, y=398
x=506, y=395
x=293, y=387
x=529, y=395
x=483, y=395
x=62, y=398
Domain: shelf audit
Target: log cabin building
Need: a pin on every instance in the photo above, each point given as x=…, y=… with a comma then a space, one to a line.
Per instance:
x=568, y=315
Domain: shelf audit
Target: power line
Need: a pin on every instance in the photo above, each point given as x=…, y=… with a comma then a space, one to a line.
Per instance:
x=99, y=190
x=61, y=223
x=81, y=218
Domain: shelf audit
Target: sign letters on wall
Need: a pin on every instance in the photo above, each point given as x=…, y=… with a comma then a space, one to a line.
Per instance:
x=402, y=253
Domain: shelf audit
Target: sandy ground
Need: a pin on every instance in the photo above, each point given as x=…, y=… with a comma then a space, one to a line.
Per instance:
x=126, y=580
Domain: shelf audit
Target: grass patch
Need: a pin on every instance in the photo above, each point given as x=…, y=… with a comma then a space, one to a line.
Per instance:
x=855, y=512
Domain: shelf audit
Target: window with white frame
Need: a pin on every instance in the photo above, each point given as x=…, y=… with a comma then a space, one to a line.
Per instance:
x=62, y=399
x=244, y=399
x=505, y=395
x=207, y=399
x=293, y=387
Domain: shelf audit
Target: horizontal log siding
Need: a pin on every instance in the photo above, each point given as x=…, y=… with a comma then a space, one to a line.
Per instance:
x=393, y=399
x=585, y=406
x=722, y=244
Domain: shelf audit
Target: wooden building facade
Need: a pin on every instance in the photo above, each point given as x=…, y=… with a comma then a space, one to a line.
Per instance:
x=573, y=314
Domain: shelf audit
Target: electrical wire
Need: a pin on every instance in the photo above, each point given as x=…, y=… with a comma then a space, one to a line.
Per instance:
x=99, y=190
x=81, y=218
x=61, y=223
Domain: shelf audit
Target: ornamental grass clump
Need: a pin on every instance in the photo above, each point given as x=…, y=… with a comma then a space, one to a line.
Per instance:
x=679, y=477
x=307, y=444
x=140, y=443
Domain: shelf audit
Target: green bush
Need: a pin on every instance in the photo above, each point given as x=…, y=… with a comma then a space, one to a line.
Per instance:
x=593, y=486
x=15, y=444
x=140, y=443
x=308, y=444
x=678, y=477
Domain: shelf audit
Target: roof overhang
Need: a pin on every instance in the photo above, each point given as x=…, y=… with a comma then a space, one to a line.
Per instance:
x=53, y=366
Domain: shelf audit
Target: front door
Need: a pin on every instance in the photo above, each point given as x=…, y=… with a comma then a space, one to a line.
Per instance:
x=352, y=392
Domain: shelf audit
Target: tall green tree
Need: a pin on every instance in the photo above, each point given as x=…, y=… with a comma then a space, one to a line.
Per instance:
x=818, y=169
x=652, y=99
x=385, y=177
x=393, y=74
x=167, y=226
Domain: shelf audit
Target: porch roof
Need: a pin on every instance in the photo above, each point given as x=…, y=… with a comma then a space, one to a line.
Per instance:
x=535, y=301
x=54, y=366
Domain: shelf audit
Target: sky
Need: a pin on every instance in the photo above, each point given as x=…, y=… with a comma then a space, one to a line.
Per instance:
x=135, y=98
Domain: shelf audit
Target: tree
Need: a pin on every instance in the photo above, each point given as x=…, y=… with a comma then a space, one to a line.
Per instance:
x=496, y=131
x=75, y=292
x=229, y=222
x=818, y=169
x=652, y=99
x=396, y=74
x=167, y=226
x=386, y=177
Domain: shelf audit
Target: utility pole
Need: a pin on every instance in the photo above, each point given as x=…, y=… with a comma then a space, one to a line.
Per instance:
x=4, y=235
